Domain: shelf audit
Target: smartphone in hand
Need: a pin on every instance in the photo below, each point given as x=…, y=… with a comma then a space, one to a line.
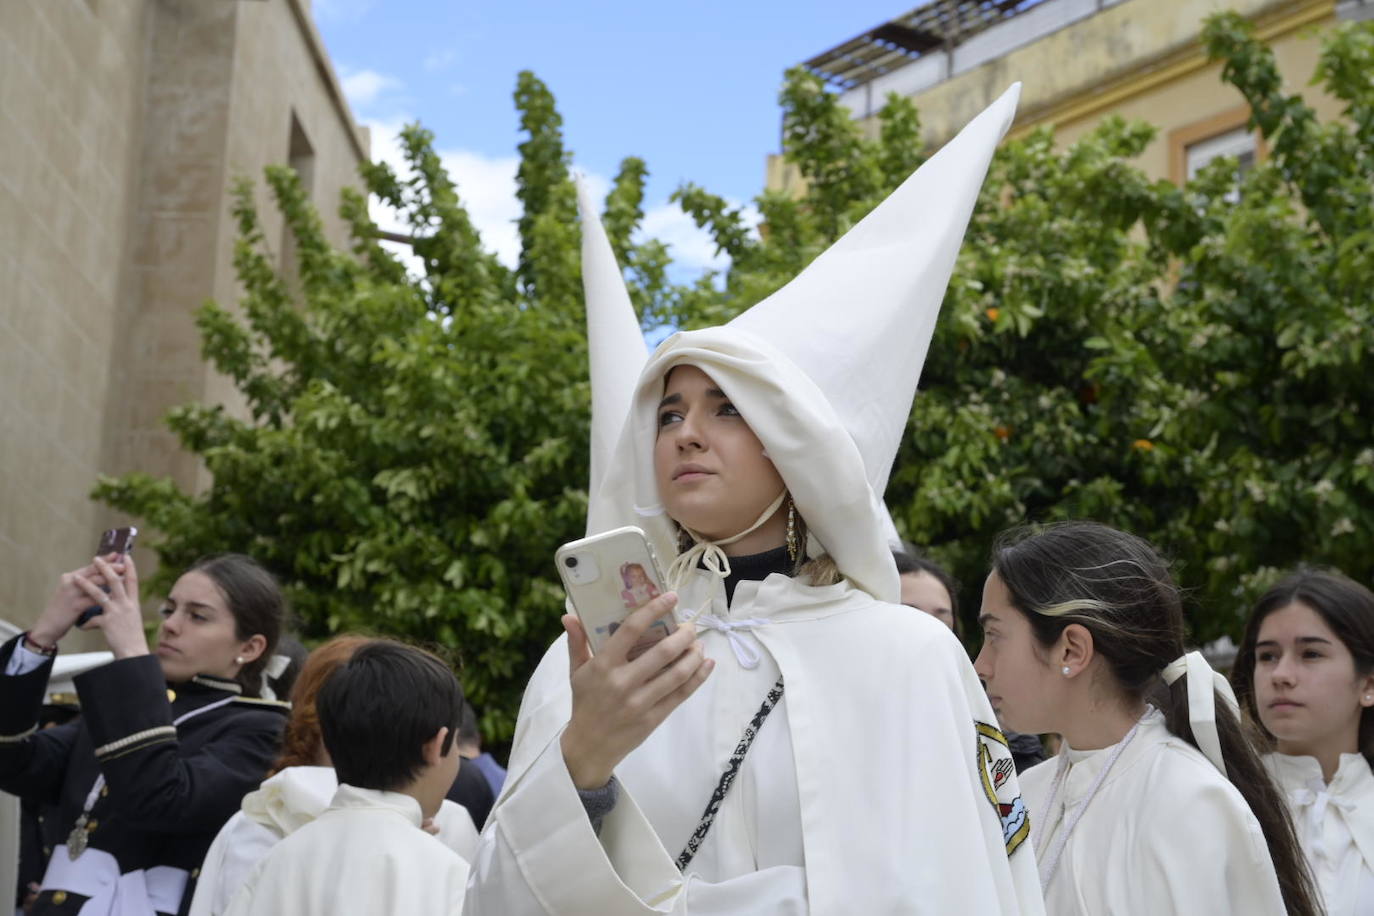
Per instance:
x=609, y=575
x=115, y=540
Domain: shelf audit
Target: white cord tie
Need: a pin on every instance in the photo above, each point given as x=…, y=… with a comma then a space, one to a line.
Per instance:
x=1202, y=712
x=1070, y=820
x=707, y=553
x=746, y=652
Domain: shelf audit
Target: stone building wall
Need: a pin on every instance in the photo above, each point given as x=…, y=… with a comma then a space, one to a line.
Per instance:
x=123, y=125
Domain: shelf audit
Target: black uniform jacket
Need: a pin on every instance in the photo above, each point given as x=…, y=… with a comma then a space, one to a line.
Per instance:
x=168, y=790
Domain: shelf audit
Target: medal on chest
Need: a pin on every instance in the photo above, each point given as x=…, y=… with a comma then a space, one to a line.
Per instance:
x=76, y=840
x=79, y=838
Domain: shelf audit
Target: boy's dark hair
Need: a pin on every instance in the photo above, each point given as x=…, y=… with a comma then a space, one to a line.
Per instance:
x=377, y=711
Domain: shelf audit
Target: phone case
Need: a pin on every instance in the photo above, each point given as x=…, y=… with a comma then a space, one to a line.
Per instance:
x=606, y=577
x=114, y=540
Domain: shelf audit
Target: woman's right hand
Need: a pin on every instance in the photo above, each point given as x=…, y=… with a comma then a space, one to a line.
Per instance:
x=617, y=702
x=69, y=601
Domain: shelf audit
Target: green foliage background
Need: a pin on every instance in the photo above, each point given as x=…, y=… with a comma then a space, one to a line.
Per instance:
x=1187, y=363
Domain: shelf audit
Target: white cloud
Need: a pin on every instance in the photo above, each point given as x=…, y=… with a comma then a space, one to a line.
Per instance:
x=486, y=186
x=689, y=246
x=363, y=87
x=341, y=10
x=440, y=60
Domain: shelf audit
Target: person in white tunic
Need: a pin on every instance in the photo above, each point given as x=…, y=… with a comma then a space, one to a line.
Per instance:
x=802, y=743
x=299, y=790
x=1157, y=801
x=1305, y=673
x=389, y=719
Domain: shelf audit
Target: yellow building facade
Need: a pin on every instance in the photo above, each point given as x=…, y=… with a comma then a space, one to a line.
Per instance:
x=1079, y=61
x=124, y=125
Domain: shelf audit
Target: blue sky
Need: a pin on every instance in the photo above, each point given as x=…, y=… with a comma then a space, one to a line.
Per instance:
x=691, y=88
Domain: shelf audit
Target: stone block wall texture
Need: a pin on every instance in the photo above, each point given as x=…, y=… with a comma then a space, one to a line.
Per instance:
x=123, y=124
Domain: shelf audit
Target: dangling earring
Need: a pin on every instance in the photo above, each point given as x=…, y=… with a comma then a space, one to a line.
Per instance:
x=792, y=550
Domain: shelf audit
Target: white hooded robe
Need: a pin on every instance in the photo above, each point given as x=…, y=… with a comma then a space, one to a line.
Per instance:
x=878, y=785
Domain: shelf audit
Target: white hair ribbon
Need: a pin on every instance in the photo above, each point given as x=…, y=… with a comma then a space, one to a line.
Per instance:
x=1202, y=712
x=276, y=665
x=708, y=552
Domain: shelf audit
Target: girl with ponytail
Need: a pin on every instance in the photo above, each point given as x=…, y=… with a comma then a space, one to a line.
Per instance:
x=1158, y=801
x=1305, y=675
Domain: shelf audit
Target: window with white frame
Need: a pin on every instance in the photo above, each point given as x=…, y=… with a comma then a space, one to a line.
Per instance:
x=1239, y=143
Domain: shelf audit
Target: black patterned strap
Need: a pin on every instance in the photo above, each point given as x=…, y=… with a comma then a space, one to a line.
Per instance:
x=727, y=778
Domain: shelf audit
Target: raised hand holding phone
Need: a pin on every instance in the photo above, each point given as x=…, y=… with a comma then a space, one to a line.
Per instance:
x=70, y=600
x=121, y=617
x=618, y=701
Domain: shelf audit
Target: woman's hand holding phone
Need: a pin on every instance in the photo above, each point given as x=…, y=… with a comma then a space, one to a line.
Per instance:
x=70, y=600
x=121, y=619
x=618, y=701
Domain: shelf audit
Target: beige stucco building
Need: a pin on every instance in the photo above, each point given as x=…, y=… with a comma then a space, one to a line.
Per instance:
x=123, y=126
x=1079, y=61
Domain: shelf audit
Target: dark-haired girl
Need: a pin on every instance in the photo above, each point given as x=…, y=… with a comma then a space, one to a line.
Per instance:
x=1305, y=673
x=168, y=741
x=1158, y=802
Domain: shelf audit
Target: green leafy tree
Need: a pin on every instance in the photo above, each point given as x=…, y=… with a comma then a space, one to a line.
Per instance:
x=1184, y=362
x=1175, y=361
x=414, y=448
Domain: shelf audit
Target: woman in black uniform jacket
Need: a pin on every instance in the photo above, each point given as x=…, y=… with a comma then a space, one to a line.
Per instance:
x=168, y=741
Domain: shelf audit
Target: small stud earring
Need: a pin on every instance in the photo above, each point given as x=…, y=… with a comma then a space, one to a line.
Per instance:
x=1065, y=669
x=238, y=660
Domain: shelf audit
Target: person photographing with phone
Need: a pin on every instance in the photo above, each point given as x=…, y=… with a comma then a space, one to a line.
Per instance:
x=796, y=741
x=169, y=740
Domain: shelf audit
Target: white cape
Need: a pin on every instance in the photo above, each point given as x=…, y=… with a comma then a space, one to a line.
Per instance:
x=1165, y=833
x=864, y=792
x=1335, y=825
x=284, y=803
x=365, y=853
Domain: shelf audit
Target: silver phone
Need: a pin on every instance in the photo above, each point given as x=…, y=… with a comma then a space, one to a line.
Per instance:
x=606, y=577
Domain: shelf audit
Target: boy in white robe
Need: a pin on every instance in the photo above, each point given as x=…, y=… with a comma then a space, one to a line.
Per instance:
x=389, y=719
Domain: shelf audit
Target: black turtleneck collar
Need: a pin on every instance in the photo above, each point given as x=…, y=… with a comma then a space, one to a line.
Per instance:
x=755, y=567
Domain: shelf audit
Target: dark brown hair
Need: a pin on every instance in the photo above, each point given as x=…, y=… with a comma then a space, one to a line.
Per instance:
x=1345, y=605
x=1118, y=587
x=255, y=600
x=911, y=561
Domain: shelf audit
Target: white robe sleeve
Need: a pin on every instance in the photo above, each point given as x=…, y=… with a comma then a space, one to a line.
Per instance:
x=539, y=855
x=238, y=847
x=1200, y=852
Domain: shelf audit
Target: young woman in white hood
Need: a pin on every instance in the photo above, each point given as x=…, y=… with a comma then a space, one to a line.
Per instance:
x=803, y=743
x=1305, y=673
x=1157, y=802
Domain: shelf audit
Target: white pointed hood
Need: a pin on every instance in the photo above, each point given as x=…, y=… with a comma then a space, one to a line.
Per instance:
x=617, y=346
x=824, y=371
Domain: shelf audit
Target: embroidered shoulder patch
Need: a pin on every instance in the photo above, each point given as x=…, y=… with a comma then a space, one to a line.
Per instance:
x=998, y=772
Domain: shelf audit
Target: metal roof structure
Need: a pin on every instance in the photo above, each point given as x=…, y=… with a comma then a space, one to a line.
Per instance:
x=935, y=26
